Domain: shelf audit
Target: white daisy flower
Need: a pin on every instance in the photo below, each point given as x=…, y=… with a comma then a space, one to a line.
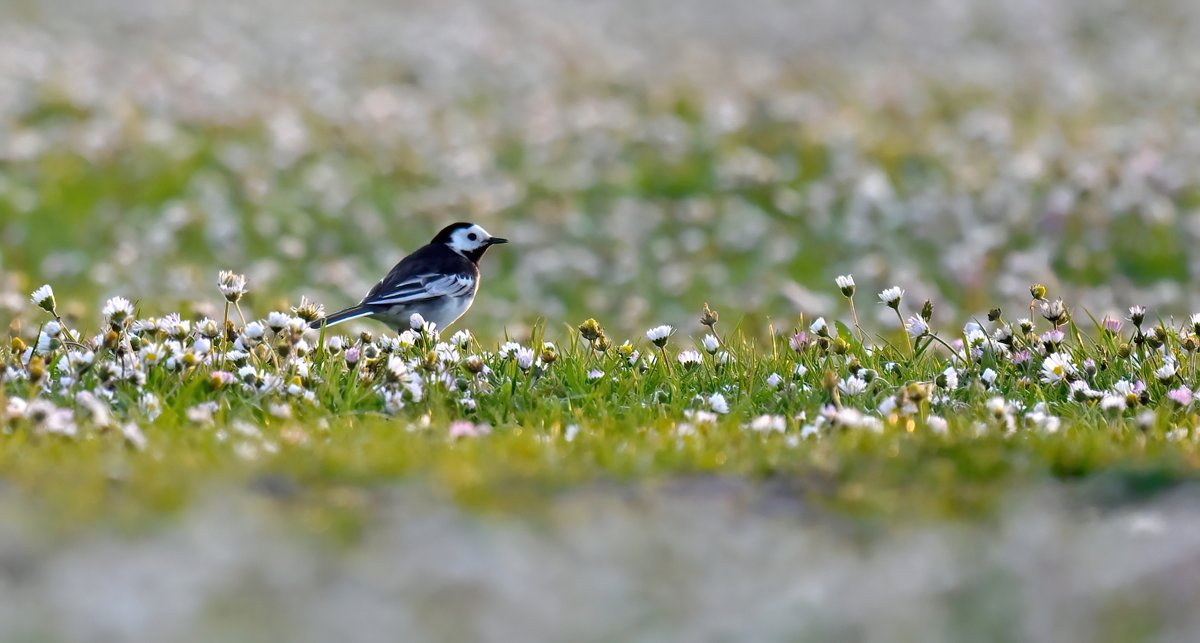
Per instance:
x=416, y=322
x=277, y=320
x=232, y=285
x=916, y=327
x=1166, y=372
x=768, y=424
x=937, y=424
x=711, y=344
x=846, y=284
x=44, y=298
x=116, y=310
x=525, y=357
x=774, y=380
x=659, y=335
x=1056, y=368
x=819, y=327
x=892, y=296
x=510, y=350
x=852, y=385
x=717, y=403
x=689, y=358
x=254, y=330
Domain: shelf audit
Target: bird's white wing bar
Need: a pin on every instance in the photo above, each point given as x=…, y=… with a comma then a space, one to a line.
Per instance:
x=422, y=288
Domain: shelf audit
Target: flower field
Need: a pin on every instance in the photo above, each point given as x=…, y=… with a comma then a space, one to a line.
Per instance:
x=818, y=322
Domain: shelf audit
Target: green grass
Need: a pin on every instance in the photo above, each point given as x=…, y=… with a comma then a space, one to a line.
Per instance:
x=332, y=440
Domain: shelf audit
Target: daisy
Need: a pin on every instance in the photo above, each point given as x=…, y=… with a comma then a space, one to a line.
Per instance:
x=525, y=357
x=1166, y=372
x=1181, y=396
x=916, y=327
x=1056, y=368
x=768, y=424
x=1113, y=404
x=44, y=298
x=718, y=404
x=659, y=335
x=116, y=310
x=1137, y=314
x=688, y=359
x=846, y=284
x=710, y=343
x=852, y=385
x=232, y=285
x=892, y=296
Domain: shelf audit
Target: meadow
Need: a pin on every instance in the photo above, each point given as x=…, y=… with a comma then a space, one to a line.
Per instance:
x=820, y=322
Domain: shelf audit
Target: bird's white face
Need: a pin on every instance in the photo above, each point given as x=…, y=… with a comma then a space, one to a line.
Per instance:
x=470, y=240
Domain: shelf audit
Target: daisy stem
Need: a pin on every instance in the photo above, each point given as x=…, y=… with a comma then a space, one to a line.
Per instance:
x=857, y=326
x=224, y=337
x=666, y=362
x=904, y=329
x=71, y=338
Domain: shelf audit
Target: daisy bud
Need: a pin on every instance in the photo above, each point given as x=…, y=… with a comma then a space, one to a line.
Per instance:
x=993, y=314
x=1124, y=350
x=1037, y=291
x=1026, y=325
x=709, y=317
x=232, y=285
x=819, y=327
x=846, y=284
x=711, y=344
x=1154, y=341
x=892, y=296
x=111, y=340
x=1110, y=325
x=36, y=368
x=601, y=344
x=548, y=356
x=841, y=346
x=590, y=330
x=474, y=364
x=17, y=345
x=1189, y=343
x=44, y=298
x=829, y=381
x=927, y=311
x=416, y=321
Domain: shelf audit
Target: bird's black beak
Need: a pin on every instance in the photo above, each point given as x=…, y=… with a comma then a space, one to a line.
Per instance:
x=497, y=241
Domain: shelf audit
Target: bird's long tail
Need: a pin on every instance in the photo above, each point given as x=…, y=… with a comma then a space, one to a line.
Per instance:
x=353, y=312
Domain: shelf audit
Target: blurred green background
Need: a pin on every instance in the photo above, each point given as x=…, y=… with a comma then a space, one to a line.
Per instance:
x=645, y=159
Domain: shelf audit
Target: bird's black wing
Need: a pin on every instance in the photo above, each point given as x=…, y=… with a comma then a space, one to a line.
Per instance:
x=429, y=273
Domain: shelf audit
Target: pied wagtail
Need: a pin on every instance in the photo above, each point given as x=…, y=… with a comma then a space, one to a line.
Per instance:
x=438, y=281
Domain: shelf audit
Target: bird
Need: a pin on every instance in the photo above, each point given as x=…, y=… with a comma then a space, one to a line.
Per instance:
x=438, y=281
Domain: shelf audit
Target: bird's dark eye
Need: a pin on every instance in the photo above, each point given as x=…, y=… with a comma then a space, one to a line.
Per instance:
x=473, y=236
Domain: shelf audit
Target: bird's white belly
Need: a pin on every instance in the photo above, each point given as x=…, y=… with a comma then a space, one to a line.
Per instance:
x=442, y=312
x=449, y=310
